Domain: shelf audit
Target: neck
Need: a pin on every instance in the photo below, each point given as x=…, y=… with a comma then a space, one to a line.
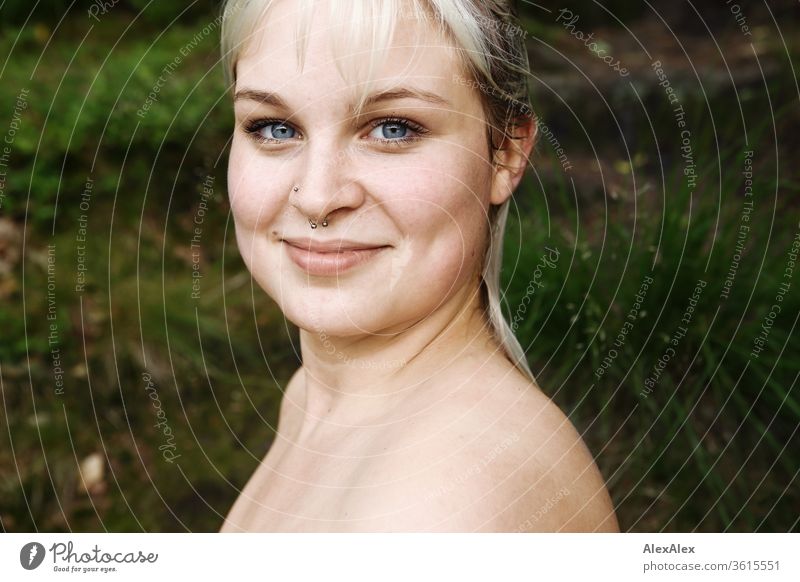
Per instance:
x=354, y=379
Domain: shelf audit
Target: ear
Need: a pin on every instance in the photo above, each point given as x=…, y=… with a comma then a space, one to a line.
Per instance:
x=511, y=159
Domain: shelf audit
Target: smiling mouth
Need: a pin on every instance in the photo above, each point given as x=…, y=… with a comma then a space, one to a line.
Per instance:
x=326, y=260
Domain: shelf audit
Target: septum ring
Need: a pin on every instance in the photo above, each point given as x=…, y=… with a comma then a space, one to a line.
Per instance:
x=314, y=224
x=311, y=222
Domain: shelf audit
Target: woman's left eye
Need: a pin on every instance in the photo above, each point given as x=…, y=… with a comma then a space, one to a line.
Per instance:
x=396, y=130
x=391, y=129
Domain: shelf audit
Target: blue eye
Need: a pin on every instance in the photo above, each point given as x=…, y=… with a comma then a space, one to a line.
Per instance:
x=270, y=130
x=397, y=131
x=393, y=129
x=279, y=131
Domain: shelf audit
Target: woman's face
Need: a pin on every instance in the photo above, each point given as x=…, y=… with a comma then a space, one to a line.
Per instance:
x=408, y=178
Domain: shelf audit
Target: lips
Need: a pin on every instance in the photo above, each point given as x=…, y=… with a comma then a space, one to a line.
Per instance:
x=330, y=258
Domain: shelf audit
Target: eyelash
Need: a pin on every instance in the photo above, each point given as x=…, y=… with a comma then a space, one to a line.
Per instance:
x=253, y=127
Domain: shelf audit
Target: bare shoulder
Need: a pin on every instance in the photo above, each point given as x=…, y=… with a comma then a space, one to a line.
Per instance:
x=506, y=459
x=553, y=481
x=241, y=515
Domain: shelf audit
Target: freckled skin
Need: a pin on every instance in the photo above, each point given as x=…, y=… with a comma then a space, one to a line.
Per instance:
x=402, y=388
x=429, y=200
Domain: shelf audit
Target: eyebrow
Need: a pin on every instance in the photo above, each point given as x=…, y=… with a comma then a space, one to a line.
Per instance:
x=264, y=97
x=406, y=93
x=269, y=98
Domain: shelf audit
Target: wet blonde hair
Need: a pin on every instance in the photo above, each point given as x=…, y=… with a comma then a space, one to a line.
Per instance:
x=491, y=50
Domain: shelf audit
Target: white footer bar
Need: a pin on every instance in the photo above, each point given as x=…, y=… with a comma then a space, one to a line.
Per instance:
x=401, y=557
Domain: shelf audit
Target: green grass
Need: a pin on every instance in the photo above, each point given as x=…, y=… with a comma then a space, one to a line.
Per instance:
x=710, y=447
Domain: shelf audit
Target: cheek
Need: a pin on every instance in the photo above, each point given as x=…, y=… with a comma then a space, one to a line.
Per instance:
x=449, y=201
x=442, y=216
x=449, y=253
x=255, y=202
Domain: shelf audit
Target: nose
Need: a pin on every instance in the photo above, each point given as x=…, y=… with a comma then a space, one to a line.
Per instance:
x=326, y=185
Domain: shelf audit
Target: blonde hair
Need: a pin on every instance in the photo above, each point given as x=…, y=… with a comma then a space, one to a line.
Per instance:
x=492, y=52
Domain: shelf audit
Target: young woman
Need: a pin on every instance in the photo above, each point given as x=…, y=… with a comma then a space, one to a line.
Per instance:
x=376, y=146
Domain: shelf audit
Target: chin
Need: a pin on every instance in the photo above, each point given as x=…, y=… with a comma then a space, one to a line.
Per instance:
x=331, y=325
x=334, y=312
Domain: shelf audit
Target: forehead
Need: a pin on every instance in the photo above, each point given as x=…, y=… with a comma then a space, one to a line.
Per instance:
x=335, y=64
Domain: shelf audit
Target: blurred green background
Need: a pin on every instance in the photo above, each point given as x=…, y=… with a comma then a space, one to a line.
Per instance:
x=97, y=317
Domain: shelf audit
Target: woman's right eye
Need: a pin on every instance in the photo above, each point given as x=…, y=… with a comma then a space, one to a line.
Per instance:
x=270, y=130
